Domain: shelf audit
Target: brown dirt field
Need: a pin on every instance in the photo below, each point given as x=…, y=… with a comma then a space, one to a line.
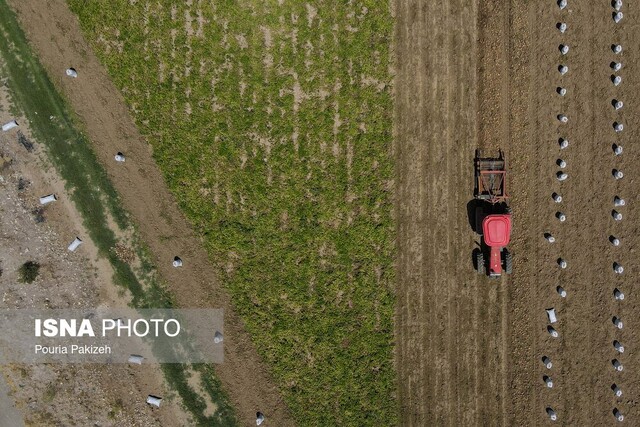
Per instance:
x=55, y=34
x=450, y=323
x=582, y=370
x=484, y=74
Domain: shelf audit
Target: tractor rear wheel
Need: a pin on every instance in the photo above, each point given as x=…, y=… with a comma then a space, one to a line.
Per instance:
x=480, y=265
x=508, y=262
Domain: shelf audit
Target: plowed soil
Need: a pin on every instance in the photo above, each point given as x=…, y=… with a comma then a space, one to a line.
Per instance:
x=450, y=351
x=483, y=74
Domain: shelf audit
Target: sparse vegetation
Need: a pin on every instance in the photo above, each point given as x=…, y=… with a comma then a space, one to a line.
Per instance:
x=50, y=393
x=272, y=122
x=115, y=409
x=86, y=180
x=224, y=415
x=28, y=272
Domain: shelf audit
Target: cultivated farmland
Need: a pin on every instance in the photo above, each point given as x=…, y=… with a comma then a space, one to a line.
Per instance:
x=271, y=123
x=470, y=349
x=272, y=126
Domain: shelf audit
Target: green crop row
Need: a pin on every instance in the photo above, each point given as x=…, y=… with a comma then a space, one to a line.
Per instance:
x=272, y=124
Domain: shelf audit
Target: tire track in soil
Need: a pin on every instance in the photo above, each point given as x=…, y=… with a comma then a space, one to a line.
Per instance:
x=506, y=123
x=461, y=295
x=494, y=124
x=409, y=257
x=442, y=309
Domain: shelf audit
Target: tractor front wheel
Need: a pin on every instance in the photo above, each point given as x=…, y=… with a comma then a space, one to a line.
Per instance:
x=480, y=265
x=508, y=262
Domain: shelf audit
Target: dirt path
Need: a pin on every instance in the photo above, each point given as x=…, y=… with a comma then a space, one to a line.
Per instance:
x=449, y=322
x=55, y=34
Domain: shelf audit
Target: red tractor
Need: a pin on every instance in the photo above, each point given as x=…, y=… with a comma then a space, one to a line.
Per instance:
x=492, y=215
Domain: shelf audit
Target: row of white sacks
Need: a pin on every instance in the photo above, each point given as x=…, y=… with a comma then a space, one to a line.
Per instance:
x=616, y=4
x=618, y=202
x=617, y=80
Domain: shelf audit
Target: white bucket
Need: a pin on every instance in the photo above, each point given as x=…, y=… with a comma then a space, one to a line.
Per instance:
x=10, y=125
x=44, y=200
x=74, y=245
x=154, y=400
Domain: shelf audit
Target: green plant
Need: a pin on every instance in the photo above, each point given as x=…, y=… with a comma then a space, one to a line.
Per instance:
x=28, y=271
x=271, y=122
x=115, y=409
x=50, y=393
x=177, y=376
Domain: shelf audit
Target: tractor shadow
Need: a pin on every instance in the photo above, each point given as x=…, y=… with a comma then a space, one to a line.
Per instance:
x=472, y=212
x=472, y=215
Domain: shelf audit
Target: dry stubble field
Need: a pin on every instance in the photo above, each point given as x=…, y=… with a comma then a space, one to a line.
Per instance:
x=469, y=349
